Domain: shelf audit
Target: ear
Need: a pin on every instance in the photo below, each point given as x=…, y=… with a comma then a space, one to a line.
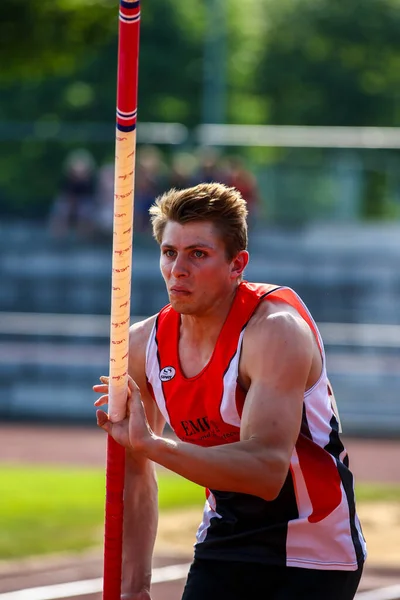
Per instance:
x=239, y=263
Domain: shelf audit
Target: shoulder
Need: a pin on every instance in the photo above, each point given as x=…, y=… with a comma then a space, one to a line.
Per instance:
x=276, y=317
x=277, y=347
x=275, y=326
x=139, y=332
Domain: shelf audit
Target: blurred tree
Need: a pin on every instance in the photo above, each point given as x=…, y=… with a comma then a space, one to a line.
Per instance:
x=50, y=38
x=246, y=40
x=61, y=58
x=331, y=63
x=59, y=66
x=290, y=62
x=334, y=63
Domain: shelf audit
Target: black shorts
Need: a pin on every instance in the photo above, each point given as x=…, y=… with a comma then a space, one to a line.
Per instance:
x=219, y=580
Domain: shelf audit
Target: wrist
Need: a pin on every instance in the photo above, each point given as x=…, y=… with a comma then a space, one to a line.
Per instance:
x=150, y=445
x=141, y=449
x=158, y=448
x=136, y=586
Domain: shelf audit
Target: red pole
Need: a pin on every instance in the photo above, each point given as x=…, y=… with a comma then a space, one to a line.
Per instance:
x=125, y=148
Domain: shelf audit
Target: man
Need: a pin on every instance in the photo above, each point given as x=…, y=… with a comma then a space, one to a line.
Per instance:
x=238, y=371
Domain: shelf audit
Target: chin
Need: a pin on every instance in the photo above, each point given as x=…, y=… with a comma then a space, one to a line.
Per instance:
x=184, y=308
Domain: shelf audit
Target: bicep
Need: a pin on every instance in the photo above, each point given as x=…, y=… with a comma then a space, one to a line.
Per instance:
x=278, y=360
x=271, y=418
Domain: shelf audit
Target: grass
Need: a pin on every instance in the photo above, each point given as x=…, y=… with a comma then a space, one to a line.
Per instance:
x=46, y=509
x=368, y=492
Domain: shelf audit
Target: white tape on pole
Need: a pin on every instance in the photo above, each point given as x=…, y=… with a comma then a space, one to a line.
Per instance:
x=121, y=272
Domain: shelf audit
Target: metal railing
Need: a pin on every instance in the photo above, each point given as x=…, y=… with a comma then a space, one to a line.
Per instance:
x=98, y=326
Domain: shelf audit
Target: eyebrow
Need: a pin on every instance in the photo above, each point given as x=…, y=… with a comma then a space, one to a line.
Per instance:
x=191, y=247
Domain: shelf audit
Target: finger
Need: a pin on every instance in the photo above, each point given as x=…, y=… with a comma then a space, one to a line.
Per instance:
x=104, y=379
x=100, y=388
x=132, y=385
x=101, y=401
x=103, y=421
x=133, y=400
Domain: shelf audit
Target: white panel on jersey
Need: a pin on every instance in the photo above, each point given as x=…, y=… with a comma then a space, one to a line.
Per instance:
x=228, y=407
x=319, y=412
x=208, y=514
x=303, y=501
x=323, y=545
x=318, y=404
x=153, y=374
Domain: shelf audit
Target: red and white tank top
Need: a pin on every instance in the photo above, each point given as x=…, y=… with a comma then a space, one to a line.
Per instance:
x=312, y=523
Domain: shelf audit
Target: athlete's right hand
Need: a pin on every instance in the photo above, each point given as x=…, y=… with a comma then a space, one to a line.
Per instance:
x=120, y=429
x=133, y=432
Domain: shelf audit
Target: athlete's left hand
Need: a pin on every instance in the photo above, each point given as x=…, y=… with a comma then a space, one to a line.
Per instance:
x=133, y=432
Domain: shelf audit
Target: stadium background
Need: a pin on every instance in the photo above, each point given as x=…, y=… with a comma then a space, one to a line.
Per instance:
x=308, y=93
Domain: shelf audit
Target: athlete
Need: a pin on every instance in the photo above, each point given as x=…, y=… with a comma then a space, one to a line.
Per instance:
x=238, y=371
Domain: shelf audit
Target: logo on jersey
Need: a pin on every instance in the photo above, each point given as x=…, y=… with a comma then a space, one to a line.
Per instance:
x=167, y=373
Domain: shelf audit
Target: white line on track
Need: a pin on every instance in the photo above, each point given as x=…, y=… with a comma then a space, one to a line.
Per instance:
x=387, y=593
x=160, y=575
x=89, y=586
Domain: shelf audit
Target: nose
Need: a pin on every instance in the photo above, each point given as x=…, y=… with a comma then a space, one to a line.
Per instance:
x=180, y=267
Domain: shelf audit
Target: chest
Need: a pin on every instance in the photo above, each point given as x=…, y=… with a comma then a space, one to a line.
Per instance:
x=197, y=391
x=193, y=358
x=196, y=386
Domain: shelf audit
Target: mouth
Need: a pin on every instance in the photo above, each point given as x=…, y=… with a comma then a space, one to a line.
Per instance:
x=179, y=291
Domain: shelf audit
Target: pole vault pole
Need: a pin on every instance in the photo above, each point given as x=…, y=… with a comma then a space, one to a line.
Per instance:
x=125, y=147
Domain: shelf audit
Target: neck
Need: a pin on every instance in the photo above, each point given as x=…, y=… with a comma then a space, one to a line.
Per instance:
x=209, y=323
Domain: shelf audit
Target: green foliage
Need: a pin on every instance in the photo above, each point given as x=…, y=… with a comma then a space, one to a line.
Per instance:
x=331, y=63
x=50, y=38
x=60, y=60
x=311, y=62
x=59, y=64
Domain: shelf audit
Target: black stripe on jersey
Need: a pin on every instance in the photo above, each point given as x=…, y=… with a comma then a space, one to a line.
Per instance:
x=229, y=364
x=259, y=300
x=334, y=447
x=305, y=428
x=156, y=341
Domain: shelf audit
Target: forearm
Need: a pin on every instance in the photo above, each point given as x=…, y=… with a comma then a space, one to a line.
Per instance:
x=245, y=467
x=140, y=524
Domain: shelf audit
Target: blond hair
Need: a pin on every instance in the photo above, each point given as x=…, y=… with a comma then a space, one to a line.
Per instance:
x=214, y=202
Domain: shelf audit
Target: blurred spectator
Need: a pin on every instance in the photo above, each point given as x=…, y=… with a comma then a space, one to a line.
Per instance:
x=182, y=168
x=210, y=169
x=243, y=180
x=105, y=199
x=74, y=207
x=150, y=180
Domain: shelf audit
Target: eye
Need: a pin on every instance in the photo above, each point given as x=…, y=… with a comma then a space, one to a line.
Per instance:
x=168, y=252
x=198, y=253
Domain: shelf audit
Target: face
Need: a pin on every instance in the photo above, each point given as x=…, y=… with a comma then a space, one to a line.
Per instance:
x=195, y=268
